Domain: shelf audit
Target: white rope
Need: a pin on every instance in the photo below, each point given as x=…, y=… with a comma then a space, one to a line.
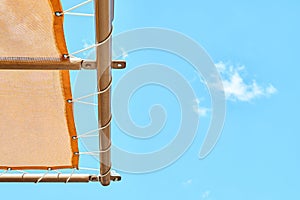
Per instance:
x=89, y=153
x=106, y=89
x=103, y=175
x=86, y=103
x=77, y=100
x=71, y=175
x=21, y=171
x=77, y=6
x=87, y=134
x=82, y=50
x=5, y=172
x=106, y=150
x=58, y=172
x=107, y=125
x=96, y=152
x=93, y=94
x=79, y=14
x=23, y=175
x=92, y=46
x=43, y=175
x=89, y=169
x=84, y=97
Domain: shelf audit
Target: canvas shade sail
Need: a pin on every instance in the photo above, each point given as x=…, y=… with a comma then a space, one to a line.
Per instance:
x=37, y=127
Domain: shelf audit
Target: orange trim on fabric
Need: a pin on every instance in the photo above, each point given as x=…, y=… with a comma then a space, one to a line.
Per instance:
x=59, y=29
x=65, y=79
x=35, y=167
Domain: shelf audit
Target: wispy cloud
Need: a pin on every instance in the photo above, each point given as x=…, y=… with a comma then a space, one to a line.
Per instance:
x=201, y=111
x=237, y=88
x=206, y=194
x=187, y=182
x=124, y=53
x=88, y=43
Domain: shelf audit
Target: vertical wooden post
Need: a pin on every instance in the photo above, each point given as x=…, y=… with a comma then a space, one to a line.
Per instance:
x=103, y=23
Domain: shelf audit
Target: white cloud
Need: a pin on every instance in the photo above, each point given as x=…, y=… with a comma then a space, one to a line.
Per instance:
x=206, y=194
x=88, y=43
x=201, y=111
x=124, y=53
x=236, y=88
x=187, y=182
x=271, y=90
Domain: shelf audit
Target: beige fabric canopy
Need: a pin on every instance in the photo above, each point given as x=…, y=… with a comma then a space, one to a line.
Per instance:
x=37, y=129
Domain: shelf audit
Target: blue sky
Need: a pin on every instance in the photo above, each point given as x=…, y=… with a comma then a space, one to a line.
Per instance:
x=255, y=45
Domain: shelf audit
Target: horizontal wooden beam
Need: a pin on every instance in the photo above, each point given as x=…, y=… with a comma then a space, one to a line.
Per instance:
x=77, y=65
x=40, y=65
x=53, y=178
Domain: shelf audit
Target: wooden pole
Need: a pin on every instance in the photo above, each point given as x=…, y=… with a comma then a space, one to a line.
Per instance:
x=54, y=178
x=103, y=24
x=41, y=66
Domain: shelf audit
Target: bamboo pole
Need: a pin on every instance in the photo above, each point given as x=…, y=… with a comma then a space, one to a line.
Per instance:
x=103, y=24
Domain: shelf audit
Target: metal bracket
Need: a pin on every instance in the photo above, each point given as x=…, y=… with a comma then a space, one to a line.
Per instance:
x=91, y=64
x=114, y=176
x=118, y=64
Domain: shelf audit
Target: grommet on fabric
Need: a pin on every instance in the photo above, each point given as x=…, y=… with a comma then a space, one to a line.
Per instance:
x=58, y=14
x=65, y=56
